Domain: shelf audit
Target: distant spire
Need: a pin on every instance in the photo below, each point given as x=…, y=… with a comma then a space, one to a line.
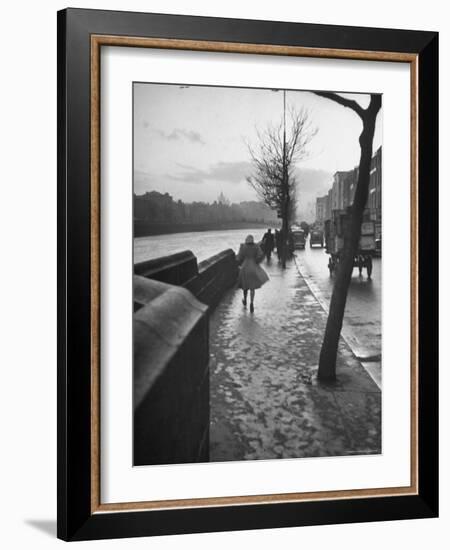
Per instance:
x=222, y=199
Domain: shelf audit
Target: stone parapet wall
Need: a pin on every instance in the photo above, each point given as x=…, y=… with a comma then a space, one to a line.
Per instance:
x=175, y=269
x=208, y=280
x=171, y=375
x=215, y=276
x=172, y=296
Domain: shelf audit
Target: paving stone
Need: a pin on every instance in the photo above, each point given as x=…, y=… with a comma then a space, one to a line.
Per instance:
x=265, y=401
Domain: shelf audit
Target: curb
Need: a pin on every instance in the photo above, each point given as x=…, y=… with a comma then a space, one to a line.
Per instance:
x=346, y=333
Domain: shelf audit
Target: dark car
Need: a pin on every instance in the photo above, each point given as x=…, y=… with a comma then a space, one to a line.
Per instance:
x=298, y=239
x=316, y=238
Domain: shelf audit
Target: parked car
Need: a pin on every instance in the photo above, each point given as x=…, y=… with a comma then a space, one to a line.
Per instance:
x=335, y=229
x=298, y=239
x=316, y=238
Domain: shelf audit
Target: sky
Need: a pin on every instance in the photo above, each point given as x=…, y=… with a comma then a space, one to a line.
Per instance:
x=192, y=141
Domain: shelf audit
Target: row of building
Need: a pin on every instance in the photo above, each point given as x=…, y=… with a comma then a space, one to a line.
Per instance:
x=342, y=192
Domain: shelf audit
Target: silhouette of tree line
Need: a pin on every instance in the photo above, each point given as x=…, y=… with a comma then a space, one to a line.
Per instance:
x=161, y=208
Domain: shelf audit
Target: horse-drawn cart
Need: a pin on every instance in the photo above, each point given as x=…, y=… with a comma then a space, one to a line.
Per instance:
x=335, y=229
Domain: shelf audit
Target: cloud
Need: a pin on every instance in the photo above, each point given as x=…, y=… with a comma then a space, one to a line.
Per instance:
x=180, y=134
x=143, y=181
x=309, y=180
x=230, y=172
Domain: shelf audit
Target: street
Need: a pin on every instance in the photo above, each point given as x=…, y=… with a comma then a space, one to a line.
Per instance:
x=265, y=401
x=362, y=319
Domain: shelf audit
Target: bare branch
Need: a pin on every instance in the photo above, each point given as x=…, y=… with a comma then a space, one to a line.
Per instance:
x=343, y=101
x=274, y=158
x=302, y=132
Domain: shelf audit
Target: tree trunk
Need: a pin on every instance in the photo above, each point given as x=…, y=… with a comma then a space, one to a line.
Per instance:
x=328, y=352
x=285, y=228
x=284, y=232
x=284, y=203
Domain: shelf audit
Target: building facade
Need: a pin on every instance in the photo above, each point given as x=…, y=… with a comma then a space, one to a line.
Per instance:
x=374, y=200
x=340, y=196
x=321, y=209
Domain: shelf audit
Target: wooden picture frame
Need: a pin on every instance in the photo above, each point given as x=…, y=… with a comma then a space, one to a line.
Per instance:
x=81, y=35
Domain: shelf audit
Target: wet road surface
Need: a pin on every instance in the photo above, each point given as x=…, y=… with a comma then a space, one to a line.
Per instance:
x=362, y=319
x=264, y=400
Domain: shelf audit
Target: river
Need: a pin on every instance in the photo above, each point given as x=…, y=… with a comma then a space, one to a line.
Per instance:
x=203, y=244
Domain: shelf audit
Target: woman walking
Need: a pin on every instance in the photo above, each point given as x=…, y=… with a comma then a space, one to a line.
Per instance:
x=251, y=274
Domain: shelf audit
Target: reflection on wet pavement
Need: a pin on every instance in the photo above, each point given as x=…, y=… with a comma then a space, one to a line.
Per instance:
x=363, y=311
x=265, y=401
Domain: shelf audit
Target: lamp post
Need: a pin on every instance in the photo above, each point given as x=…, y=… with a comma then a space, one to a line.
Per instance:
x=284, y=191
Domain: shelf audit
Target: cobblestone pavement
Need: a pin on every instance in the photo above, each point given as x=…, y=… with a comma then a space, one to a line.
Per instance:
x=265, y=400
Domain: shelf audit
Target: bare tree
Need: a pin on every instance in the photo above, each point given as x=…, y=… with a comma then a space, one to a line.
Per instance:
x=277, y=152
x=328, y=352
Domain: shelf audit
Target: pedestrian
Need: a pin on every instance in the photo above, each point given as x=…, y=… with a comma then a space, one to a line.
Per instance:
x=278, y=240
x=268, y=244
x=291, y=246
x=251, y=274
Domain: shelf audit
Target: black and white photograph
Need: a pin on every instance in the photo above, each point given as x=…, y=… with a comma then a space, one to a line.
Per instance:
x=257, y=261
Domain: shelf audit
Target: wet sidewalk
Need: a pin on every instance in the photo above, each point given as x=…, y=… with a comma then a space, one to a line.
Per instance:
x=265, y=400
